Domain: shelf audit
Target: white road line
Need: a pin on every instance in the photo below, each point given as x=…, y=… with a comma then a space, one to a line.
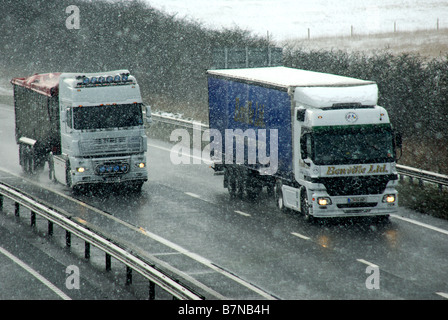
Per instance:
x=203, y=160
x=33, y=272
x=300, y=236
x=367, y=263
x=243, y=213
x=420, y=224
x=443, y=294
x=194, y=195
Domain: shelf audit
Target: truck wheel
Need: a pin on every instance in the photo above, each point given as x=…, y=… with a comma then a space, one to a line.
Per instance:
x=68, y=177
x=304, y=206
x=25, y=159
x=231, y=182
x=51, y=175
x=30, y=164
x=240, y=186
x=253, y=188
x=278, y=196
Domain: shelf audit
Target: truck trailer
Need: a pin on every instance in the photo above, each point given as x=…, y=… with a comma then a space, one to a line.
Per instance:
x=88, y=127
x=332, y=150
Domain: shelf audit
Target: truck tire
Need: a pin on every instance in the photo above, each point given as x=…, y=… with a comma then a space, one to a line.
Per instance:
x=253, y=187
x=304, y=206
x=278, y=196
x=231, y=181
x=32, y=162
x=240, y=185
x=68, y=177
x=51, y=175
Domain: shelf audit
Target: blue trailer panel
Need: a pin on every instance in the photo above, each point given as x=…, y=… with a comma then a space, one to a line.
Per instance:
x=242, y=105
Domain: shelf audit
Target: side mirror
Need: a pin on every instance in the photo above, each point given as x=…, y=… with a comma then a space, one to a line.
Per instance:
x=301, y=114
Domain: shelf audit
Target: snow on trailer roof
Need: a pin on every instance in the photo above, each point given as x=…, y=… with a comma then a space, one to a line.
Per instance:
x=44, y=83
x=288, y=77
x=48, y=83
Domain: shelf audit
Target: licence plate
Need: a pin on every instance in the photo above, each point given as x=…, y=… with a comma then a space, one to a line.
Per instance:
x=111, y=179
x=356, y=200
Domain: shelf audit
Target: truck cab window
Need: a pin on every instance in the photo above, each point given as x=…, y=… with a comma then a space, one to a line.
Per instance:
x=109, y=116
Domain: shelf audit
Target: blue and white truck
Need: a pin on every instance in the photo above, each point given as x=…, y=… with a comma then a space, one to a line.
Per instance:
x=318, y=141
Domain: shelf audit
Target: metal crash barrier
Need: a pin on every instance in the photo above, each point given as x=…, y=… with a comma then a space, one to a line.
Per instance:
x=423, y=176
x=111, y=249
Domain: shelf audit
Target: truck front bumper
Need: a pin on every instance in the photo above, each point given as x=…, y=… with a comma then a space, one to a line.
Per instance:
x=131, y=169
x=354, y=206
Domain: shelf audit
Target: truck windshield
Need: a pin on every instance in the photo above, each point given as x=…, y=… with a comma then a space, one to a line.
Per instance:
x=109, y=116
x=353, y=145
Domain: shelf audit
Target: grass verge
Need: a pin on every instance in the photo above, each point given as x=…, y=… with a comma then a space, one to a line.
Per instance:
x=428, y=199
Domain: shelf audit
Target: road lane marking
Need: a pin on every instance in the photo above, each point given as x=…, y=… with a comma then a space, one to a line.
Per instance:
x=420, y=224
x=443, y=294
x=204, y=160
x=34, y=273
x=242, y=213
x=300, y=236
x=194, y=195
x=367, y=263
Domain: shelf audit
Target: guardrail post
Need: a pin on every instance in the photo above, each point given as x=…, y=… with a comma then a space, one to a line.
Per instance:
x=128, y=275
x=68, y=239
x=33, y=219
x=17, y=209
x=87, y=250
x=152, y=290
x=108, y=262
x=50, y=228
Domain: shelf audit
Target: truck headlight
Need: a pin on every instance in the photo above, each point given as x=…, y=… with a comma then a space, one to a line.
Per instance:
x=324, y=201
x=81, y=169
x=389, y=198
x=141, y=165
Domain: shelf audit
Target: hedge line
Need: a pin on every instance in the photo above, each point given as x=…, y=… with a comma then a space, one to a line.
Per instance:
x=169, y=56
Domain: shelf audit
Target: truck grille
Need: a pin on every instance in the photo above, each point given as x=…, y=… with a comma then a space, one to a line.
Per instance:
x=111, y=145
x=344, y=186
